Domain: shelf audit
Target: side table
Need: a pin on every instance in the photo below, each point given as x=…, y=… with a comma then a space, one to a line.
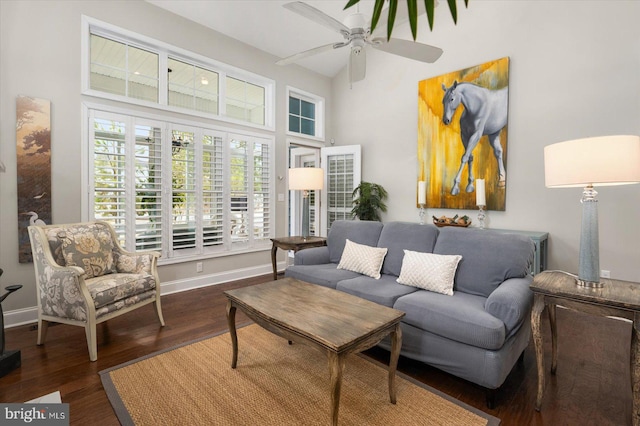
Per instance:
x=617, y=298
x=295, y=244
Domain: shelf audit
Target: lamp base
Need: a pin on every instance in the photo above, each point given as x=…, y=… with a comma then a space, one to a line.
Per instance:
x=589, y=284
x=9, y=361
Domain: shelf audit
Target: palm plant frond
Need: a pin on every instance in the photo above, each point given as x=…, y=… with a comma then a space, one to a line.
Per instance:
x=368, y=201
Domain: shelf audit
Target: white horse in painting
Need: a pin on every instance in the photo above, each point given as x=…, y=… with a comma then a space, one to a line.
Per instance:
x=485, y=113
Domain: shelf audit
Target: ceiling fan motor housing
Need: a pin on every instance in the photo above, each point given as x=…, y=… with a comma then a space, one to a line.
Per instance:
x=356, y=20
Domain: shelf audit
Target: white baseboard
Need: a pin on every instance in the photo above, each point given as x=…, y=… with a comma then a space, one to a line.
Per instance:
x=24, y=316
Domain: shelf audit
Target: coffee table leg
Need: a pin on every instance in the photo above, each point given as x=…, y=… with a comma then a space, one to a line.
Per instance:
x=396, y=344
x=336, y=365
x=231, y=321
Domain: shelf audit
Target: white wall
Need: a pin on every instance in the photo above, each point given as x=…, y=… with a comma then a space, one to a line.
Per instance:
x=40, y=57
x=574, y=72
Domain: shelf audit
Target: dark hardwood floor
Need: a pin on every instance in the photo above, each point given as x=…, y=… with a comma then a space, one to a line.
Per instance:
x=592, y=385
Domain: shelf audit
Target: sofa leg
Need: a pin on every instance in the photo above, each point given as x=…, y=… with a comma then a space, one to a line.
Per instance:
x=521, y=359
x=491, y=398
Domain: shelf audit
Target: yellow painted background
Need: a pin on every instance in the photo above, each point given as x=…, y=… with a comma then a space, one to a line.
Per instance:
x=440, y=147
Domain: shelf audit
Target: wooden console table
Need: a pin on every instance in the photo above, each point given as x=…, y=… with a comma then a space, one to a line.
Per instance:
x=617, y=298
x=295, y=244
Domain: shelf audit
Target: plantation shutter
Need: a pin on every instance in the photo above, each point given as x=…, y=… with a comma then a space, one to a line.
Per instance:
x=109, y=171
x=342, y=175
x=183, y=208
x=148, y=187
x=213, y=190
x=239, y=201
x=261, y=191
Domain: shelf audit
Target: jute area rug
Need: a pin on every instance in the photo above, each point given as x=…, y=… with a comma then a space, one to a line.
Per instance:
x=274, y=384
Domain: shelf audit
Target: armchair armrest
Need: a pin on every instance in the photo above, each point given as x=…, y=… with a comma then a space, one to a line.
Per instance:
x=312, y=256
x=511, y=302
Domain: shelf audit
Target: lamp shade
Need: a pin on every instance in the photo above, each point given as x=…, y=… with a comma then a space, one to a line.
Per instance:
x=599, y=161
x=306, y=178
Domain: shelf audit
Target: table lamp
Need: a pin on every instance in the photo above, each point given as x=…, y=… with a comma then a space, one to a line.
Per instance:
x=590, y=162
x=305, y=179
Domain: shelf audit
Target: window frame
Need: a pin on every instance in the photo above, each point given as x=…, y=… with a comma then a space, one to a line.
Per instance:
x=319, y=103
x=165, y=51
x=168, y=124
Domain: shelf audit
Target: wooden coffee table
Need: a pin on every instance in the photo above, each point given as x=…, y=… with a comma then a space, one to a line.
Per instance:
x=331, y=321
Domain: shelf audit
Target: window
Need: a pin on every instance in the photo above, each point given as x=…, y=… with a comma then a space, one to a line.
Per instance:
x=305, y=115
x=192, y=87
x=245, y=101
x=122, y=69
x=181, y=189
x=127, y=67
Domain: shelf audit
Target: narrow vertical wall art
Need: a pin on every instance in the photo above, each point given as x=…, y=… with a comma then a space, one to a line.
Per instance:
x=33, y=150
x=462, y=135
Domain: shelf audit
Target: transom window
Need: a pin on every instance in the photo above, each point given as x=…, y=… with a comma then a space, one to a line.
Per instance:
x=192, y=87
x=122, y=69
x=128, y=67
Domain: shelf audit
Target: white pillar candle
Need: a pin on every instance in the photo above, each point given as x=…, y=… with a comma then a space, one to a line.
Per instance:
x=480, y=197
x=422, y=192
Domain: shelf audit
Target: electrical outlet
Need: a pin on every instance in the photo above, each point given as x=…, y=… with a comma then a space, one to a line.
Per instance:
x=199, y=267
x=605, y=273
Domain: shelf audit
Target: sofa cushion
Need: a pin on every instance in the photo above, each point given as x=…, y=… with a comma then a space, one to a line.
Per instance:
x=359, y=231
x=398, y=236
x=433, y=272
x=363, y=259
x=90, y=247
x=327, y=275
x=384, y=291
x=488, y=258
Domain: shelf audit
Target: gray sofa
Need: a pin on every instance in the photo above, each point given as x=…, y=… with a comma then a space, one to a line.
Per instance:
x=477, y=334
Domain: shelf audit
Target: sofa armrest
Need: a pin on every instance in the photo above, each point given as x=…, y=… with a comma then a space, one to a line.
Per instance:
x=511, y=302
x=312, y=256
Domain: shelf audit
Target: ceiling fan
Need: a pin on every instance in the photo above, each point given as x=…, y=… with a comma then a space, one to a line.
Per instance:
x=356, y=31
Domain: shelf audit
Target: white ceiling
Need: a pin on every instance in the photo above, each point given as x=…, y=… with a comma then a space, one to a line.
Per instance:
x=268, y=26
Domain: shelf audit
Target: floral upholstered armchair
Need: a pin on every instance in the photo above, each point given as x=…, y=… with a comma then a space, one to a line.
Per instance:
x=84, y=277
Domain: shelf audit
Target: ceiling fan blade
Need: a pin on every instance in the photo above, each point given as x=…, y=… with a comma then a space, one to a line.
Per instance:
x=317, y=16
x=357, y=65
x=305, y=54
x=408, y=49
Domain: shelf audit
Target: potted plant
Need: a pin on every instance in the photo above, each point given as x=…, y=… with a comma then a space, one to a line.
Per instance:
x=368, y=201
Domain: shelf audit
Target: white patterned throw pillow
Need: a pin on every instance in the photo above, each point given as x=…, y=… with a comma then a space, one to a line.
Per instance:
x=433, y=272
x=363, y=259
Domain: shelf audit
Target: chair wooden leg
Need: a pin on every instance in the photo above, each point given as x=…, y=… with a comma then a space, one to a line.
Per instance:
x=43, y=325
x=92, y=341
x=159, y=311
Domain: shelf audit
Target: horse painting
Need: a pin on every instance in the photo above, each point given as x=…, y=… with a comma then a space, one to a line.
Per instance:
x=485, y=113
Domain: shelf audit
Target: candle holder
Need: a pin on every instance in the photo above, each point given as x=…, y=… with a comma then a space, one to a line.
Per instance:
x=481, y=217
x=421, y=214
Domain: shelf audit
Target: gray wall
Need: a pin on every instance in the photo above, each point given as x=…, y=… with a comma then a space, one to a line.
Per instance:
x=574, y=73
x=40, y=57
